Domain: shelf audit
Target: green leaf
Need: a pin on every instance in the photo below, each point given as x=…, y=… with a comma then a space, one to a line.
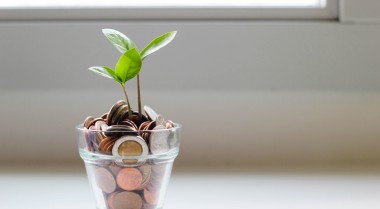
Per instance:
x=106, y=72
x=158, y=43
x=119, y=40
x=112, y=73
x=101, y=71
x=129, y=65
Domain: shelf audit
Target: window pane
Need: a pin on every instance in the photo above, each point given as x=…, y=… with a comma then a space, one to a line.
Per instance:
x=162, y=3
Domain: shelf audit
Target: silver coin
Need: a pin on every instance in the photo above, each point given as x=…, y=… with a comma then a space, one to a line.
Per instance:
x=159, y=140
x=101, y=125
x=119, y=150
x=150, y=113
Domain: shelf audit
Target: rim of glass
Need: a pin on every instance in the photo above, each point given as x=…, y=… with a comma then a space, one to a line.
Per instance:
x=91, y=156
x=81, y=128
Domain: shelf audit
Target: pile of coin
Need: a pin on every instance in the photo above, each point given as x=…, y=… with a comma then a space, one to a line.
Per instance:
x=130, y=187
x=123, y=134
x=129, y=182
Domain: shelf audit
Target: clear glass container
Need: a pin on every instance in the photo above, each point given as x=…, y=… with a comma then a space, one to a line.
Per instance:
x=120, y=179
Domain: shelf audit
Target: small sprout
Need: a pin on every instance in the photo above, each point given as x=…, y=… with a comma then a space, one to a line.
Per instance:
x=130, y=62
x=126, y=68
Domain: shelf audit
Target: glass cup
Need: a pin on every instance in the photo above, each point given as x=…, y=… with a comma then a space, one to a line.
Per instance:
x=124, y=172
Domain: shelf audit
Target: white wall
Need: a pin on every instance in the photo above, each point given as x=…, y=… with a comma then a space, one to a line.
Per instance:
x=246, y=92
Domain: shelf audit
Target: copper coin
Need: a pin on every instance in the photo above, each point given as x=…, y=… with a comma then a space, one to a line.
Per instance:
x=104, y=116
x=146, y=134
x=105, y=180
x=109, y=146
x=127, y=122
x=127, y=200
x=150, y=197
x=99, y=137
x=87, y=122
x=137, y=120
x=105, y=143
x=151, y=125
x=92, y=123
x=169, y=124
x=129, y=179
x=144, y=124
x=110, y=200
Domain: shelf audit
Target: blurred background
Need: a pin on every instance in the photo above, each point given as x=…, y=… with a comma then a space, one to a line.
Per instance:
x=295, y=83
x=277, y=85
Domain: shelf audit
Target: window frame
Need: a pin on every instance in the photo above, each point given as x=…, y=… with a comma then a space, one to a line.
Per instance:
x=330, y=12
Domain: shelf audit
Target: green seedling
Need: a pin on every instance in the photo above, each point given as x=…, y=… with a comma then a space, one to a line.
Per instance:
x=130, y=62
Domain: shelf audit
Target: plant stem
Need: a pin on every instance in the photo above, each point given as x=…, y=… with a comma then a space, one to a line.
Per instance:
x=129, y=105
x=138, y=95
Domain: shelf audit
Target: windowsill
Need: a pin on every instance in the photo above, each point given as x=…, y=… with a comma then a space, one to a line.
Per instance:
x=171, y=12
x=268, y=188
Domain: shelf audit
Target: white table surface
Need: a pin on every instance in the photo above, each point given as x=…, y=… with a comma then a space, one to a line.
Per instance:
x=217, y=188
